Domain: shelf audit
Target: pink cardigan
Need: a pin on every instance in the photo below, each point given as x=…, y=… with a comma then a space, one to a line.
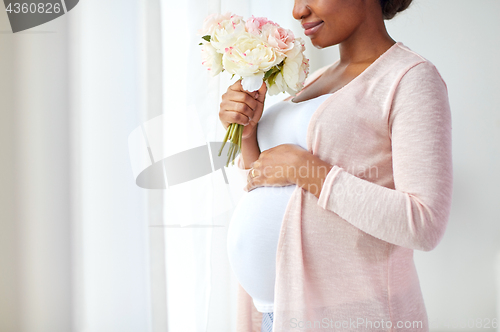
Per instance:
x=345, y=260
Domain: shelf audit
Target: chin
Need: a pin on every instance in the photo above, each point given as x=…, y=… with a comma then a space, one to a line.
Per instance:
x=322, y=44
x=319, y=46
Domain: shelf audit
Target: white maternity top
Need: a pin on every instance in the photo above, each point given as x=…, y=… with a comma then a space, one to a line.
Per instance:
x=256, y=222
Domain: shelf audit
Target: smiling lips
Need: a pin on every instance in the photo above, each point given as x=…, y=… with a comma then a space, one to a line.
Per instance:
x=312, y=27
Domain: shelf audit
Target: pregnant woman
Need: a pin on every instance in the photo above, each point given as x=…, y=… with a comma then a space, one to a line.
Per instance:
x=345, y=181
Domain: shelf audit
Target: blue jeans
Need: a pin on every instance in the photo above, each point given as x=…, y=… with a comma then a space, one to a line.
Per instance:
x=267, y=322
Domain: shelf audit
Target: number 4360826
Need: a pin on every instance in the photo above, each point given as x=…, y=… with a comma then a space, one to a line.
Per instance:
x=32, y=8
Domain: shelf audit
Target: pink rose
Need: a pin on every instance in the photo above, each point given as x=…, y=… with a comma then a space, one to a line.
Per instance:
x=254, y=24
x=278, y=37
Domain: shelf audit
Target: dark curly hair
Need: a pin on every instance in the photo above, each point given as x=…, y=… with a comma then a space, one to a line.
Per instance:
x=391, y=7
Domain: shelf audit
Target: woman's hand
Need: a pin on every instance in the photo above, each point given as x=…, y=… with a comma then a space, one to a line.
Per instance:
x=243, y=107
x=289, y=164
x=276, y=166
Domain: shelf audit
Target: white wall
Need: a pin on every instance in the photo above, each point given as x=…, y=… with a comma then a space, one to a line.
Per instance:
x=35, y=228
x=9, y=255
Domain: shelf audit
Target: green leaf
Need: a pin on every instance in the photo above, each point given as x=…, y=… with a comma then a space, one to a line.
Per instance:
x=268, y=74
x=200, y=44
x=272, y=79
x=232, y=76
x=207, y=38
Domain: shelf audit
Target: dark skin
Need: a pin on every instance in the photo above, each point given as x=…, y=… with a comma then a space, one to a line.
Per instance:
x=357, y=26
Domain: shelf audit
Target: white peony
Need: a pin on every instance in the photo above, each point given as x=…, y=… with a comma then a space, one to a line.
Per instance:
x=250, y=57
x=226, y=32
x=253, y=82
x=212, y=21
x=211, y=59
x=295, y=68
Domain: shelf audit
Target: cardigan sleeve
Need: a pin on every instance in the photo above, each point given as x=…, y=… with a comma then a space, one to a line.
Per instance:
x=416, y=212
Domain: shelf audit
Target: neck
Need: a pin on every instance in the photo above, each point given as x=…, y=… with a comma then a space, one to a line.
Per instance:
x=366, y=44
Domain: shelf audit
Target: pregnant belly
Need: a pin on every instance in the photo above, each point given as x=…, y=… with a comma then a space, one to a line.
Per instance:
x=253, y=239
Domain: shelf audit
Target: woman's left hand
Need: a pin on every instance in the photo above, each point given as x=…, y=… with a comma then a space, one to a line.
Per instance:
x=276, y=166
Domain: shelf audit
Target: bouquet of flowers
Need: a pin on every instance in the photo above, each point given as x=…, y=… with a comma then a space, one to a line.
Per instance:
x=257, y=50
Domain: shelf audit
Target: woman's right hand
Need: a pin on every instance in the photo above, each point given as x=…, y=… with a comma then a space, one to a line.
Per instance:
x=243, y=107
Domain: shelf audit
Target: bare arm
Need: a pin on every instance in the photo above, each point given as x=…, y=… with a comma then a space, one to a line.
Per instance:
x=250, y=150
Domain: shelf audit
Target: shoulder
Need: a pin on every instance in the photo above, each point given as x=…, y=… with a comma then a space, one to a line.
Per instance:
x=417, y=90
x=414, y=68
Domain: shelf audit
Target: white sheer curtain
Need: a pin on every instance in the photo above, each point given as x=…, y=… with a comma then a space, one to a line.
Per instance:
x=107, y=71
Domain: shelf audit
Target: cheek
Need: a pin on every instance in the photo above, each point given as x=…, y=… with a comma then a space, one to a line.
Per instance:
x=333, y=32
x=339, y=25
x=343, y=13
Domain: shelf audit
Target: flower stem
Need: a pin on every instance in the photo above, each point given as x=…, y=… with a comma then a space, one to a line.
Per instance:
x=225, y=138
x=239, y=132
x=234, y=134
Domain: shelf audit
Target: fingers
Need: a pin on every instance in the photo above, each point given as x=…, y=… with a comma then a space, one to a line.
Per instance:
x=238, y=87
x=259, y=178
x=261, y=93
x=241, y=97
x=235, y=112
x=252, y=181
x=241, y=106
x=257, y=114
x=261, y=96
